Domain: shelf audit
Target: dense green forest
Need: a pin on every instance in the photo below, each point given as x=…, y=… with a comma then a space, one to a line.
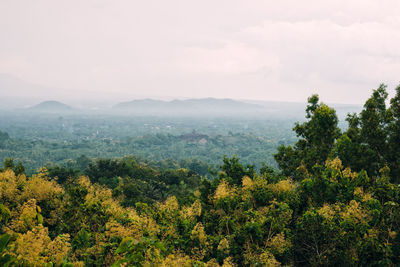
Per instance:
x=333, y=200
x=38, y=140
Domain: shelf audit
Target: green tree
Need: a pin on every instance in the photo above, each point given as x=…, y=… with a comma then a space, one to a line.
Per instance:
x=365, y=143
x=394, y=137
x=233, y=171
x=317, y=137
x=9, y=164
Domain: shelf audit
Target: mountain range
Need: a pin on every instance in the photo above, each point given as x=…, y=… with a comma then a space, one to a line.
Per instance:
x=16, y=94
x=202, y=106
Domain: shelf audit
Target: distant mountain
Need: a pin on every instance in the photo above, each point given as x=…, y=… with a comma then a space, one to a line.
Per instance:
x=203, y=106
x=141, y=103
x=51, y=106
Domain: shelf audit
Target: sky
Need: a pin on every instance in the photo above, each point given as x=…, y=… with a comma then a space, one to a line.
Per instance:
x=242, y=49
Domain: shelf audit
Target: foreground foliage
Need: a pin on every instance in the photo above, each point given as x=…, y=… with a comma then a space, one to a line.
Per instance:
x=332, y=217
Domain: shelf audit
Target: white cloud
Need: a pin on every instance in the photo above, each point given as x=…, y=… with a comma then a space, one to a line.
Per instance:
x=231, y=58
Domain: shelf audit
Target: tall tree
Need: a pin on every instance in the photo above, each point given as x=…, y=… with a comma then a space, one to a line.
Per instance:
x=374, y=121
x=364, y=145
x=317, y=137
x=394, y=136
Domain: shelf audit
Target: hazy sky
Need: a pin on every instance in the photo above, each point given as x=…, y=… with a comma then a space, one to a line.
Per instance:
x=250, y=49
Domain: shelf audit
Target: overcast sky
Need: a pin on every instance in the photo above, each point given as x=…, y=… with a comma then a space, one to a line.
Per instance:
x=250, y=49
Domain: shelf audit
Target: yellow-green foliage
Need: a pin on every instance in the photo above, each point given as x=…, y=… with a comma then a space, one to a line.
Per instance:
x=36, y=248
x=40, y=189
x=224, y=190
x=177, y=260
x=331, y=217
x=9, y=184
x=355, y=212
x=25, y=217
x=199, y=234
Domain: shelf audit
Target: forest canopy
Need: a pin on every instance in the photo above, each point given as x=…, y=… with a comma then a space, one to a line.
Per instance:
x=332, y=201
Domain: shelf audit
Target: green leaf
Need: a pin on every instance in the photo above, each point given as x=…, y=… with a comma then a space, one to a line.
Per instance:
x=124, y=246
x=40, y=219
x=4, y=241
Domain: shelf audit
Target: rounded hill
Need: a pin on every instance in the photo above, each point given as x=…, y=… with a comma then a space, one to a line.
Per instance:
x=51, y=106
